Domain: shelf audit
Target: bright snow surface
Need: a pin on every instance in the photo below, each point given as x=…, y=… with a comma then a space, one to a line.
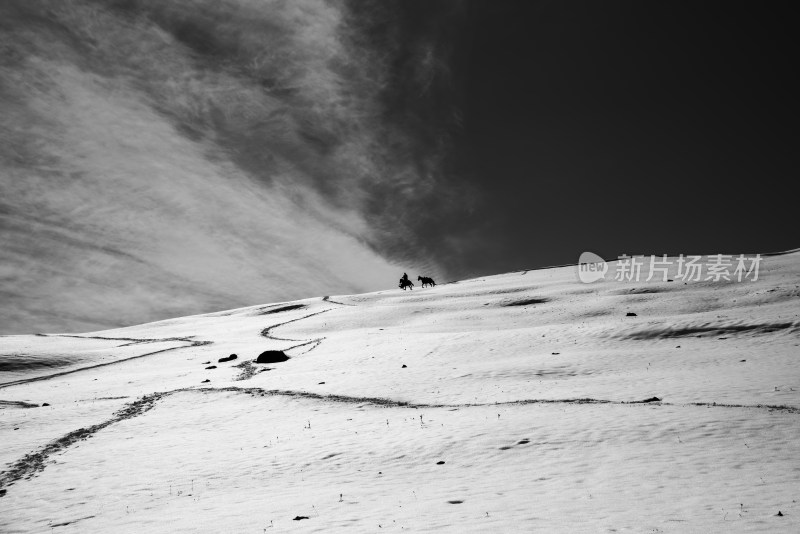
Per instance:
x=525, y=385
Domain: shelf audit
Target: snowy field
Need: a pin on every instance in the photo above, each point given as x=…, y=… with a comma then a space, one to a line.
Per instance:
x=510, y=403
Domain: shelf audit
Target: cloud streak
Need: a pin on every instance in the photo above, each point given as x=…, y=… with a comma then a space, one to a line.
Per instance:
x=161, y=159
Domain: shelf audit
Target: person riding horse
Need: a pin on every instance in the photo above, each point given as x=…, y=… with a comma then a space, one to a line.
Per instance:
x=405, y=283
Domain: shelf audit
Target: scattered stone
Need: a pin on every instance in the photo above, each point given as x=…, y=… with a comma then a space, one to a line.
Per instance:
x=440, y=462
x=228, y=358
x=651, y=399
x=45, y=404
x=300, y=517
x=272, y=356
x=2, y=492
x=321, y=383
x=555, y=353
x=211, y=367
x=206, y=380
x=523, y=441
x=206, y=363
x=740, y=361
x=779, y=514
x=630, y=314
x=677, y=347
x=670, y=280
x=404, y=366
x=455, y=502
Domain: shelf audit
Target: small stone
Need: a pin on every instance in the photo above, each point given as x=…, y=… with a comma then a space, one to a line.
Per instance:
x=211, y=367
x=440, y=462
x=299, y=517
x=630, y=314
x=206, y=380
x=779, y=514
x=404, y=366
x=45, y=404
x=228, y=358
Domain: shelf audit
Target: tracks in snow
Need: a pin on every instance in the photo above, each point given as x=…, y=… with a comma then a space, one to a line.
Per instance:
x=32, y=463
x=131, y=341
x=266, y=333
x=35, y=462
x=188, y=340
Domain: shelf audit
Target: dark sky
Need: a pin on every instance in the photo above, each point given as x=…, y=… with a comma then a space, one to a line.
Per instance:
x=628, y=127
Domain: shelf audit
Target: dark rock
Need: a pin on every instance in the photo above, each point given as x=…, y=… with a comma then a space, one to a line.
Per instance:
x=440, y=462
x=299, y=517
x=45, y=404
x=211, y=367
x=556, y=353
x=742, y=361
x=651, y=399
x=455, y=502
x=206, y=363
x=228, y=358
x=630, y=314
x=321, y=383
x=404, y=366
x=779, y=514
x=206, y=380
x=272, y=356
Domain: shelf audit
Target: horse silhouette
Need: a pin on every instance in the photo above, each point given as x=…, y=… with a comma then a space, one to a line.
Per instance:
x=406, y=283
x=426, y=281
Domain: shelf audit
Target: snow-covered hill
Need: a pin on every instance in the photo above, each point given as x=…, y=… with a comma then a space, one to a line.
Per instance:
x=502, y=404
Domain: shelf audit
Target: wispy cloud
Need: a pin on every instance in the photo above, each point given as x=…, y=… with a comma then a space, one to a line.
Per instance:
x=165, y=158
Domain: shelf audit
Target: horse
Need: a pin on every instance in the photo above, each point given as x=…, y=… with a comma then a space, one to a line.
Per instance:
x=426, y=281
x=406, y=284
